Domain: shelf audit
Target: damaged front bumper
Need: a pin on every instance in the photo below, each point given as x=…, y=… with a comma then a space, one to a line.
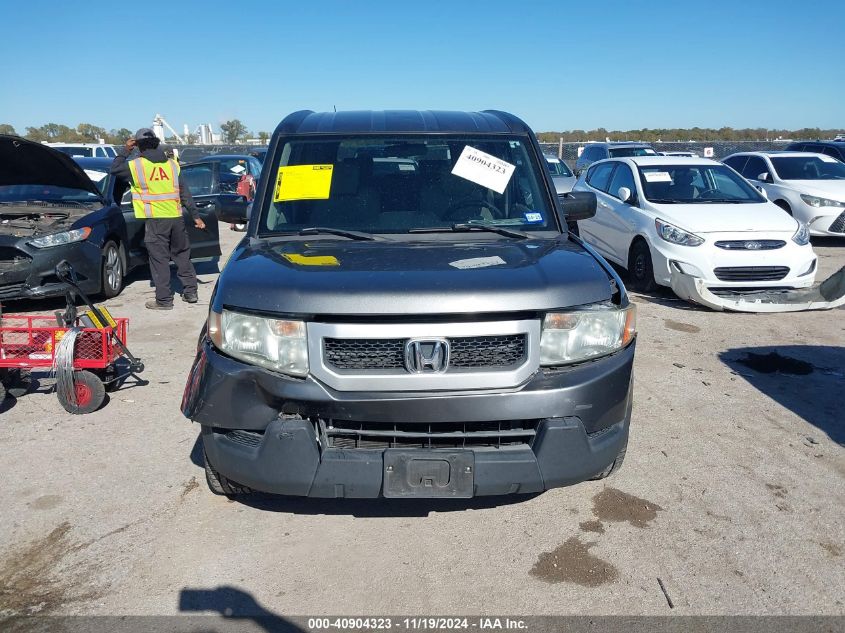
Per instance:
x=822, y=296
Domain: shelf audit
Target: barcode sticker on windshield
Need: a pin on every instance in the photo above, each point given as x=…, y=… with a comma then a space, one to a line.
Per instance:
x=657, y=176
x=483, y=169
x=828, y=159
x=303, y=182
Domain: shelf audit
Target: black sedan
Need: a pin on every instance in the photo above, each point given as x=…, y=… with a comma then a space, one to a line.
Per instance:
x=223, y=181
x=52, y=210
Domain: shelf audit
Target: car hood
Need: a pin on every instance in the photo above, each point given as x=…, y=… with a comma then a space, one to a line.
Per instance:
x=726, y=218
x=564, y=184
x=424, y=277
x=24, y=162
x=834, y=189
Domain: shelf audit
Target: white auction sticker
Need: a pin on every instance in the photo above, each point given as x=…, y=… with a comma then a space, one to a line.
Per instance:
x=657, y=176
x=477, y=262
x=483, y=169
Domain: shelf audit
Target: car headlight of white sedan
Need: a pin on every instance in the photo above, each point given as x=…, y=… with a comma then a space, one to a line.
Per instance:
x=277, y=344
x=815, y=201
x=802, y=235
x=675, y=235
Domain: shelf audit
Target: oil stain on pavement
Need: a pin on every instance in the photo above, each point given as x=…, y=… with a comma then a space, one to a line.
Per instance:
x=45, y=502
x=614, y=505
x=592, y=526
x=572, y=562
x=29, y=579
x=678, y=326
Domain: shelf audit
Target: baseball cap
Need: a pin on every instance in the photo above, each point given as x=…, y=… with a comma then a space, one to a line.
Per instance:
x=143, y=133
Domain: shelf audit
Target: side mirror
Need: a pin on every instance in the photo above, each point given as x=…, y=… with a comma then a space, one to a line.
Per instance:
x=577, y=205
x=625, y=195
x=764, y=177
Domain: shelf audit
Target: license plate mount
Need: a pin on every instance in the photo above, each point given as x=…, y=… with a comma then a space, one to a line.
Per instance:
x=431, y=474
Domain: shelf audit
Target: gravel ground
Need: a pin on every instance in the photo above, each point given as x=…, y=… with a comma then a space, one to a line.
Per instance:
x=732, y=495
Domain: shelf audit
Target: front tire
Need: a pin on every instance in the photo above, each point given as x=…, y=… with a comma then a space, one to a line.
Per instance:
x=113, y=270
x=640, y=267
x=218, y=484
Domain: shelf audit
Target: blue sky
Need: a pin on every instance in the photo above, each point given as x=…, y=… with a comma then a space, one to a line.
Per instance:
x=559, y=65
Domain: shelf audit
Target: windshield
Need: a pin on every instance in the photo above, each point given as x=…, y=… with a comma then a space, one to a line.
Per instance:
x=620, y=152
x=558, y=167
x=695, y=184
x=808, y=168
x=395, y=184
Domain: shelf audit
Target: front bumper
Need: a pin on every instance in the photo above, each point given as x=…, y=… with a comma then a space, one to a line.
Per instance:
x=702, y=261
x=824, y=296
x=33, y=275
x=582, y=416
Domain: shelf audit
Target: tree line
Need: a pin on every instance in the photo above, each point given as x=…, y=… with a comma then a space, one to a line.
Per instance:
x=233, y=131
x=685, y=134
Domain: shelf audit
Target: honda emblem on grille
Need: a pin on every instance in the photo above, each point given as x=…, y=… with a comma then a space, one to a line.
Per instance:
x=427, y=355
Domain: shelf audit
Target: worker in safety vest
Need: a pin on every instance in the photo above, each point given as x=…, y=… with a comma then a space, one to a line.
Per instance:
x=158, y=195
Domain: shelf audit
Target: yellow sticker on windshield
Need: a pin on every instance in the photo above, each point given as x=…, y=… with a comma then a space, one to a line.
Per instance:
x=303, y=182
x=311, y=260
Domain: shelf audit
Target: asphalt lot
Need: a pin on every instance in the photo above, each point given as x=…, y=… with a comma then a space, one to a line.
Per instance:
x=731, y=494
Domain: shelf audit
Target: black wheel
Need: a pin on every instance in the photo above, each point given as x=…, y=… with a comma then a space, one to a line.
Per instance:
x=616, y=465
x=640, y=268
x=783, y=204
x=89, y=392
x=113, y=272
x=218, y=484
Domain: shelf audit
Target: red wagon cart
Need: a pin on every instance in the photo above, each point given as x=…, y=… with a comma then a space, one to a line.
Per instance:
x=30, y=342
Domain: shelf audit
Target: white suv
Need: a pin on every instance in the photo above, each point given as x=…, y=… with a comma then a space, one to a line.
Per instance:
x=809, y=186
x=89, y=150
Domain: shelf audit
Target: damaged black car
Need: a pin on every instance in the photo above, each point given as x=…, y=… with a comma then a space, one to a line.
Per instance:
x=52, y=210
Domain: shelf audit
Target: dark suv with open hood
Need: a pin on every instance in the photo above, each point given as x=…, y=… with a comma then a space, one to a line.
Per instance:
x=408, y=316
x=53, y=209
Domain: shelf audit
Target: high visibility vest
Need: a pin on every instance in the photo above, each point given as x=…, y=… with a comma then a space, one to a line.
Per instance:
x=155, y=189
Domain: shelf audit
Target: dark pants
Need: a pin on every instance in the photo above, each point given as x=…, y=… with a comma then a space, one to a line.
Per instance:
x=167, y=239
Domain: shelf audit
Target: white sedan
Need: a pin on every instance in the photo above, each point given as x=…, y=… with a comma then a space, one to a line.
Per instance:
x=693, y=223
x=809, y=186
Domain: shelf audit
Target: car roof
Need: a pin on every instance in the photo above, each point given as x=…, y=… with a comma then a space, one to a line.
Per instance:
x=224, y=157
x=781, y=153
x=99, y=163
x=647, y=161
x=407, y=121
x=619, y=144
x=839, y=144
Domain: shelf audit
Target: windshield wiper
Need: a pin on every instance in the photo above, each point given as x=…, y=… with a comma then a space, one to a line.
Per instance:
x=466, y=228
x=352, y=235
x=663, y=201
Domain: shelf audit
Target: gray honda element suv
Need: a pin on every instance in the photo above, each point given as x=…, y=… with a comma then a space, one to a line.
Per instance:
x=408, y=316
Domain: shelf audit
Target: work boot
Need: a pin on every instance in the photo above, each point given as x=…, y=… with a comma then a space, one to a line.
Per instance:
x=152, y=304
x=189, y=297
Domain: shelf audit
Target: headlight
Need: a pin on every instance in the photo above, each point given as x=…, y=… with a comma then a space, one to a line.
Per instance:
x=569, y=337
x=59, y=239
x=815, y=201
x=673, y=234
x=802, y=235
x=272, y=343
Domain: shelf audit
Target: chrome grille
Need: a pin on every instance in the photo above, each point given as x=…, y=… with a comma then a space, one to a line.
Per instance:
x=751, y=273
x=838, y=225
